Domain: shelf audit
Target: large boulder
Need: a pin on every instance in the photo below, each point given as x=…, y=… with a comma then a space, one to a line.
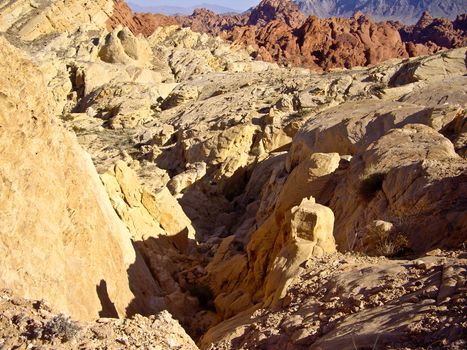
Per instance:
x=309, y=231
x=351, y=127
x=121, y=46
x=412, y=178
x=60, y=238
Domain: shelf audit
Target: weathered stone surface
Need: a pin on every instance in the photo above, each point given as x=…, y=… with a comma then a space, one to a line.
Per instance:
x=405, y=178
x=446, y=65
x=163, y=233
x=144, y=23
x=121, y=46
x=92, y=75
x=350, y=128
x=309, y=228
x=183, y=180
x=263, y=162
x=279, y=228
x=53, y=17
x=125, y=105
x=165, y=208
x=147, y=214
x=60, y=240
x=353, y=299
x=439, y=31
x=191, y=53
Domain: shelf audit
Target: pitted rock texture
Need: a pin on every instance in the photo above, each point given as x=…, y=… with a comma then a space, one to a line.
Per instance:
x=31, y=20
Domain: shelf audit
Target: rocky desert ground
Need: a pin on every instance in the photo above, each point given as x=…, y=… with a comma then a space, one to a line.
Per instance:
x=169, y=189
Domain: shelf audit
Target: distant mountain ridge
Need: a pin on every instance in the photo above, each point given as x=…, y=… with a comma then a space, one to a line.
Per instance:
x=406, y=11
x=180, y=10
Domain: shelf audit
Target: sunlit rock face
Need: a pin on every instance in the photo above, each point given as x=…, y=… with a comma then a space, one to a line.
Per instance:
x=176, y=175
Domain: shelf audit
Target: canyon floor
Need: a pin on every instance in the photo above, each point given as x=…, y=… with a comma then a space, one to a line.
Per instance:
x=172, y=192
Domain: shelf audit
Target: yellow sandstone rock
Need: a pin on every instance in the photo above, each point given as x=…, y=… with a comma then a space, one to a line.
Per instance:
x=147, y=214
x=60, y=238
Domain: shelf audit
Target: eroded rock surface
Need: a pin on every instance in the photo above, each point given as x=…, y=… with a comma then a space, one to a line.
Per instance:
x=261, y=206
x=58, y=227
x=347, y=301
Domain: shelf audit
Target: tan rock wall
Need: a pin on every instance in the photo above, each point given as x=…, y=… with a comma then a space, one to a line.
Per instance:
x=147, y=214
x=60, y=238
x=66, y=15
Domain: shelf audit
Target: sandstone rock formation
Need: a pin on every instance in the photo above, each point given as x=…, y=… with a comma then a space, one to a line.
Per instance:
x=205, y=21
x=273, y=10
x=262, y=206
x=33, y=20
x=357, y=302
x=436, y=31
x=137, y=23
x=61, y=239
x=335, y=42
x=163, y=233
x=159, y=211
x=277, y=31
x=122, y=47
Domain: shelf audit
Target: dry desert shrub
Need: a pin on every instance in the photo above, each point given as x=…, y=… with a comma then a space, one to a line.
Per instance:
x=392, y=245
x=384, y=238
x=61, y=327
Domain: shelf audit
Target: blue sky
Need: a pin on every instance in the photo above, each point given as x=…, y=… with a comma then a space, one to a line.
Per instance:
x=236, y=4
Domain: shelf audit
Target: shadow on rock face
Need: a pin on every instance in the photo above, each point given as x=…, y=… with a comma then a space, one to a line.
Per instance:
x=177, y=283
x=108, y=307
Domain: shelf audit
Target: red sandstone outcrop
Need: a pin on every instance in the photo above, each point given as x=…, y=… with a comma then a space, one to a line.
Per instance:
x=325, y=44
x=148, y=22
x=271, y=10
x=145, y=23
x=123, y=15
x=437, y=32
x=278, y=32
x=338, y=42
x=206, y=21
